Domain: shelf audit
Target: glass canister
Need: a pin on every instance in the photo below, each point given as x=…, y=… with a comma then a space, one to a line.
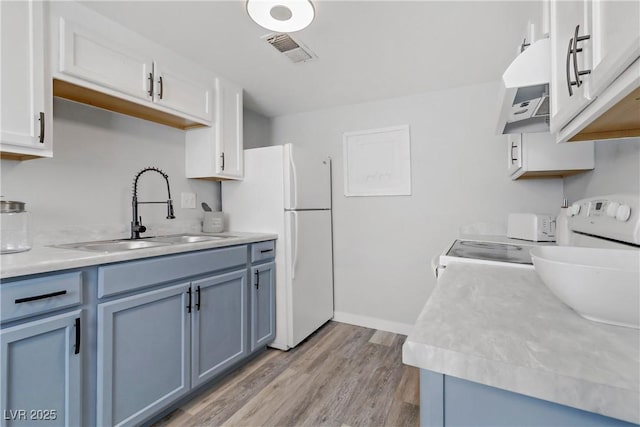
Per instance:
x=14, y=227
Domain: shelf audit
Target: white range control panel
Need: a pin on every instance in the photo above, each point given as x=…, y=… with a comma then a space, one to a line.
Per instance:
x=616, y=216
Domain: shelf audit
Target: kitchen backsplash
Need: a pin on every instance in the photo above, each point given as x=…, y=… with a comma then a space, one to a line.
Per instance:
x=84, y=191
x=617, y=171
x=70, y=233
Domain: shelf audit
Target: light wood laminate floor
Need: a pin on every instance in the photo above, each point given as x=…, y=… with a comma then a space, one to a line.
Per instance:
x=343, y=375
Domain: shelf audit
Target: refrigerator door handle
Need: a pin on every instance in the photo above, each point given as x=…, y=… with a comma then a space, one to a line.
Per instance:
x=294, y=243
x=294, y=183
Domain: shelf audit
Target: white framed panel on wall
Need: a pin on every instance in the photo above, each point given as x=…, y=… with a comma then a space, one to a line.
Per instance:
x=377, y=162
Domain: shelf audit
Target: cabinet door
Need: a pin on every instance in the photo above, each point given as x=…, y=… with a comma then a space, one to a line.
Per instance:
x=263, y=327
x=143, y=354
x=25, y=109
x=93, y=57
x=41, y=372
x=217, y=152
x=514, y=153
x=177, y=91
x=538, y=156
x=229, y=121
x=566, y=99
x=616, y=40
x=219, y=331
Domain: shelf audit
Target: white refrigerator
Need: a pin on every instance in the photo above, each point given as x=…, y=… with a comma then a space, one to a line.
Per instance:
x=287, y=190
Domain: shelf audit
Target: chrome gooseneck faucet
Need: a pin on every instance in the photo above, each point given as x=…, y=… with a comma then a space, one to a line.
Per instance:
x=136, y=222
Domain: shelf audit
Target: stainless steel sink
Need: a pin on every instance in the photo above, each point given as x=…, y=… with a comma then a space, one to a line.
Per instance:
x=148, y=242
x=112, y=245
x=184, y=238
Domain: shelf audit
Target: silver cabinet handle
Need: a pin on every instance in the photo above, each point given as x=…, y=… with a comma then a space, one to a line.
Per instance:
x=568, y=70
x=150, y=78
x=161, y=86
x=41, y=118
x=513, y=159
x=577, y=39
x=222, y=164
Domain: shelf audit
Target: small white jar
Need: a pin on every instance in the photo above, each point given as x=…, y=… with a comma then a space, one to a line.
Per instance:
x=14, y=227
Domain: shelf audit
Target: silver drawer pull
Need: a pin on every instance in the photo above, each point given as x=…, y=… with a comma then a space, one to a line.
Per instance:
x=37, y=297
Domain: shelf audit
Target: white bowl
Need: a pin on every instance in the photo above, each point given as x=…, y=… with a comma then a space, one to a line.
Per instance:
x=599, y=284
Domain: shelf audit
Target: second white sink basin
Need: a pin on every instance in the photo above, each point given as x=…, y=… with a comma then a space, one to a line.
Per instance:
x=599, y=284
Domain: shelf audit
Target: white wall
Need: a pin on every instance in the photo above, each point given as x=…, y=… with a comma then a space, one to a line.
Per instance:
x=617, y=171
x=256, y=129
x=85, y=189
x=383, y=245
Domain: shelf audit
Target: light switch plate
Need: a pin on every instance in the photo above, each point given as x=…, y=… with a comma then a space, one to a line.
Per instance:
x=188, y=200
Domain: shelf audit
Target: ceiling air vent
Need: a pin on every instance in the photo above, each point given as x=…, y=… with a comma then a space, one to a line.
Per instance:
x=294, y=50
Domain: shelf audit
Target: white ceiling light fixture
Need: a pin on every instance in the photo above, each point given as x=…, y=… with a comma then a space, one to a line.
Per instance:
x=283, y=16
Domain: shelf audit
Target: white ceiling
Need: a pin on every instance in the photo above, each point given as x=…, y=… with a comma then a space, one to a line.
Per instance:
x=366, y=50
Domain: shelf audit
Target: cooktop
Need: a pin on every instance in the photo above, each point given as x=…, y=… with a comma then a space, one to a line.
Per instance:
x=490, y=251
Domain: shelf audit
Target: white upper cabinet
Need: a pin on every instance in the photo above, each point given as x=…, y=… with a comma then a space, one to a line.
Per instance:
x=25, y=90
x=173, y=89
x=616, y=40
x=94, y=57
x=536, y=155
x=230, y=142
x=595, y=46
x=568, y=94
x=98, y=62
x=101, y=63
x=217, y=152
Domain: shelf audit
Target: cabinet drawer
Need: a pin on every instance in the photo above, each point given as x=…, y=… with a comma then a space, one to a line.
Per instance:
x=35, y=296
x=128, y=276
x=263, y=250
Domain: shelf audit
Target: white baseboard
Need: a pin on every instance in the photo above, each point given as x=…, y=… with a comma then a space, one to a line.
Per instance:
x=373, y=323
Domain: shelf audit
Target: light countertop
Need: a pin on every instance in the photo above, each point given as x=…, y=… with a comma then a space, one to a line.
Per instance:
x=502, y=327
x=44, y=259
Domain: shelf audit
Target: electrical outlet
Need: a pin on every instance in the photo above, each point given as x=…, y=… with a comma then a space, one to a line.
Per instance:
x=188, y=200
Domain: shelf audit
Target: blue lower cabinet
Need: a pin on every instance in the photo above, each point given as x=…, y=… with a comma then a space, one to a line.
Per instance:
x=154, y=347
x=219, y=330
x=41, y=372
x=263, y=328
x=451, y=402
x=143, y=354
x=148, y=333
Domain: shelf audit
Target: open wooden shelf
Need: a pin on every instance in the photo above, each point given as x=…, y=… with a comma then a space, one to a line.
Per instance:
x=84, y=95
